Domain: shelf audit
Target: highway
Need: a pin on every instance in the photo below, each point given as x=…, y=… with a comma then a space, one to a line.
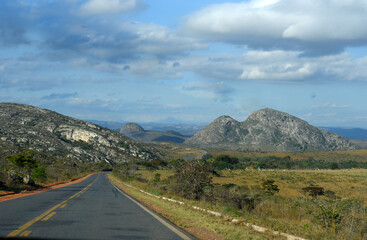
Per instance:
x=91, y=209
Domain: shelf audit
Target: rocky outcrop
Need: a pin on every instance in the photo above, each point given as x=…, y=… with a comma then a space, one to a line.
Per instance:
x=28, y=127
x=133, y=130
x=268, y=130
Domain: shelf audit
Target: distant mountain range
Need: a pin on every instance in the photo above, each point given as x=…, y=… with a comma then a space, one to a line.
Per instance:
x=268, y=130
x=135, y=131
x=351, y=133
x=189, y=130
x=27, y=127
x=186, y=129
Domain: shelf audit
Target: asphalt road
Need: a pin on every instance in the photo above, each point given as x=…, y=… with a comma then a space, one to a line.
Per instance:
x=91, y=209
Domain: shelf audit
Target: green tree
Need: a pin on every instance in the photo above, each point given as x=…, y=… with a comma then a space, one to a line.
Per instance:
x=25, y=163
x=334, y=166
x=39, y=174
x=269, y=187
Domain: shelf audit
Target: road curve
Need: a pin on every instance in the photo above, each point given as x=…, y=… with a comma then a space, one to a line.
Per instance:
x=91, y=209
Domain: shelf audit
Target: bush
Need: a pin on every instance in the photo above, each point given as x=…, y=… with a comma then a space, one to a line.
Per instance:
x=192, y=179
x=240, y=198
x=330, y=215
x=313, y=191
x=269, y=187
x=157, y=178
x=40, y=174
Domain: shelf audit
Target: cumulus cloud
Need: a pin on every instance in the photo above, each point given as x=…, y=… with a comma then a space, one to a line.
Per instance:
x=108, y=6
x=313, y=27
x=278, y=66
x=60, y=32
x=114, y=40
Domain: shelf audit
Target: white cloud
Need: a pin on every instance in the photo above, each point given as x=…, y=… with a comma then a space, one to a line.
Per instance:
x=313, y=26
x=330, y=105
x=97, y=7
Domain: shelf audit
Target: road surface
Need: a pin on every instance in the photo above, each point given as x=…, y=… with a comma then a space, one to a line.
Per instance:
x=91, y=209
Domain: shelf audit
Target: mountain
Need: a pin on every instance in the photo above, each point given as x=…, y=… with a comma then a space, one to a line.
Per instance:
x=186, y=129
x=268, y=130
x=28, y=127
x=135, y=131
x=351, y=133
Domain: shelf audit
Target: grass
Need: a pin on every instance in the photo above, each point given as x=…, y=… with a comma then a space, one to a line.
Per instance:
x=176, y=151
x=350, y=183
x=290, y=210
x=203, y=226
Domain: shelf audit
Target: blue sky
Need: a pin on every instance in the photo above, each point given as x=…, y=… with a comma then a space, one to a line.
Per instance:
x=148, y=61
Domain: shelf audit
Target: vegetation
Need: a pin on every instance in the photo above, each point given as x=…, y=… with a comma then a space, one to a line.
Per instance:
x=315, y=204
x=201, y=225
x=24, y=164
x=277, y=162
x=29, y=169
x=191, y=179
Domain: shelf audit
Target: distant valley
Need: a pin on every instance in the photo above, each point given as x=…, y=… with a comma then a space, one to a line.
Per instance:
x=135, y=131
x=351, y=133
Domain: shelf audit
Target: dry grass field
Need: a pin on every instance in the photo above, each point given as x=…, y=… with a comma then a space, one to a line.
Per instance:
x=339, y=212
x=350, y=183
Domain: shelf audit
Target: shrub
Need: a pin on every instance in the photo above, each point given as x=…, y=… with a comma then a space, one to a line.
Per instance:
x=192, y=179
x=330, y=215
x=25, y=163
x=269, y=187
x=238, y=197
x=313, y=191
x=157, y=178
x=39, y=174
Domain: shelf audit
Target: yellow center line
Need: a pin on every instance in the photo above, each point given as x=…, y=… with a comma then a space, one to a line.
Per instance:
x=25, y=234
x=49, y=216
x=63, y=205
x=43, y=215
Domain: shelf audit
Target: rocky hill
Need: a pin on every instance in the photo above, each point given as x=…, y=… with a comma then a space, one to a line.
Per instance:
x=28, y=127
x=135, y=131
x=268, y=130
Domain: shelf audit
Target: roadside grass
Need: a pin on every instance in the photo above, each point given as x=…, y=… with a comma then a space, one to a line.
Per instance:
x=199, y=224
x=291, y=211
